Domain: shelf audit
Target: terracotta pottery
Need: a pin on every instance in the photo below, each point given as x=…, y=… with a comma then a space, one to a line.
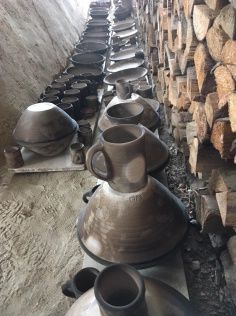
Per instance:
x=55, y=100
x=13, y=156
x=123, y=89
x=68, y=108
x=156, y=152
x=72, y=92
x=127, y=74
x=98, y=13
x=75, y=101
x=45, y=129
x=149, y=118
x=80, y=283
x=63, y=80
x=120, y=290
x=125, y=113
x=126, y=33
x=91, y=47
x=84, y=123
x=87, y=59
x=127, y=203
x=125, y=64
x=77, y=153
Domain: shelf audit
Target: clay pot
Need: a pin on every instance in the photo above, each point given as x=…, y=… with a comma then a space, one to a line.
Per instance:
x=13, y=157
x=45, y=129
x=123, y=89
x=63, y=80
x=129, y=202
x=85, y=135
x=77, y=153
x=55, y=100
x=56, y=86
x=75, y=101
x=125, y=113
x=145, y=91
x=80, y=283
x=120, y=290
x=87, y=59
x=68, y=108
x=91, y=47
x=84, y=123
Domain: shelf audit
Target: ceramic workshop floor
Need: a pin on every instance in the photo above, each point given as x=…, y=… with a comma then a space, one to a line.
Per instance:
x=38, y=243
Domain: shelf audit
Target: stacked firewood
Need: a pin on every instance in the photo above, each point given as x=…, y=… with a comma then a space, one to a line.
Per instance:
x=192, y=49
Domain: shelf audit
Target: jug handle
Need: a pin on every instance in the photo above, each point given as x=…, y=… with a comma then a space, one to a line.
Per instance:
x=89, y=162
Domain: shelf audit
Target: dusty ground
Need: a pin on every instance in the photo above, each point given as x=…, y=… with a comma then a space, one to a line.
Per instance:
x=204, y=273
x=38, y=244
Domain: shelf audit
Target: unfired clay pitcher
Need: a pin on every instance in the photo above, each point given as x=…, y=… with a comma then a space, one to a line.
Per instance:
x=131, y=218
x=120, y=290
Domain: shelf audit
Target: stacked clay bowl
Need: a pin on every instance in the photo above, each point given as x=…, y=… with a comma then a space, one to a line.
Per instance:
x=45, y=129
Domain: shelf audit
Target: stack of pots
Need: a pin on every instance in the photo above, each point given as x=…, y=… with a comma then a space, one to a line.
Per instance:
x=131, y=220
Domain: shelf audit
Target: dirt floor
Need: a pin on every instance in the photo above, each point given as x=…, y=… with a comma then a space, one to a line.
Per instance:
x=38, y=243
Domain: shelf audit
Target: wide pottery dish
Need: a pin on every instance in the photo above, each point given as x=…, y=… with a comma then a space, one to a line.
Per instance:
x=125, y=54
x=131, y=218
x=123, y=26
x=91, y=47
x=122, y=290
x=131, y=74
x=88, y=59
x=45, y=129
x=125, y=64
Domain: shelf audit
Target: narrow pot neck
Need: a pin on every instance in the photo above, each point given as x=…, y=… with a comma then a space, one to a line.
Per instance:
x=127, y=163
x=120, y=291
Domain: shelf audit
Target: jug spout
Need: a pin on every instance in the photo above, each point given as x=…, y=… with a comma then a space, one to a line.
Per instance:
x=120, y=291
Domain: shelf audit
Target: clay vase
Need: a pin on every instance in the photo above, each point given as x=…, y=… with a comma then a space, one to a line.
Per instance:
x=131, y=218
x=156, y=153
x=123, y=89
x=120, y=290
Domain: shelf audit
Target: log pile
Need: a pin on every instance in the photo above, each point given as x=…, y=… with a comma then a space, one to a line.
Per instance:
x=192, y=49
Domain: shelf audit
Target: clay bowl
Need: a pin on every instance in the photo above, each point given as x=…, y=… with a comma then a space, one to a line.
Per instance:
x=101, y=36
x=44, y=128
x=126, y=33
x=91, y=47
x=99, y=13
x=125, y=54
x=87, y=59
x=126, y=64
x=85, y=71
x=123, y=26
x=125, y=113
x=97, y=23
x=127, y=74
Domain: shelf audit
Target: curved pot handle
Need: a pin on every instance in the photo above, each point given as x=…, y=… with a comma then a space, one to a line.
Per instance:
x=87, y=195
x=98, y=147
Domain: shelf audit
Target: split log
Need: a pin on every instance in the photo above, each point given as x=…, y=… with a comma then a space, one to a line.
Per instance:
x=232, y=111
x=181, y=84
x=203, y=130
x=216, y=4
x=173, y=94
x=213, y=109
x=216, y=39
x=191, y=132
x=228, y=57
x=209, y=215
x=188, y=6
x=203, y=66
x=183, y=101
x=192, y=83
x=225, y=83
x=194, y=104
x=222, y=138
x=227, y=20
x=181, y=31
x=203, y=18
x=231, y=245
x=172, y=62
x=222, y=183
x=203, y=159
x=186, y=56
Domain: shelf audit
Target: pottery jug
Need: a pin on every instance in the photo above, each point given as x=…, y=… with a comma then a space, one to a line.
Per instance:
x=131, y=218
x=123, y=89
x=120, y=290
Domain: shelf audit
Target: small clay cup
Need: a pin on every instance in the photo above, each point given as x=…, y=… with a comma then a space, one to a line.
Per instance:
x=56, y=86
x=145, y=91
x=85, y=135
x=13, y=157
x=80, y=283
x=51, y=93
x=123, y=89
x=68, y=108
x=72, y=92
x=55, y=100
x=92, y=101
x=63, y=80
x=77, y=153
x=75, y=101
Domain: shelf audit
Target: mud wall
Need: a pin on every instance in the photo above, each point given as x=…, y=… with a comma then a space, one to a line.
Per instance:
x=35, y=40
